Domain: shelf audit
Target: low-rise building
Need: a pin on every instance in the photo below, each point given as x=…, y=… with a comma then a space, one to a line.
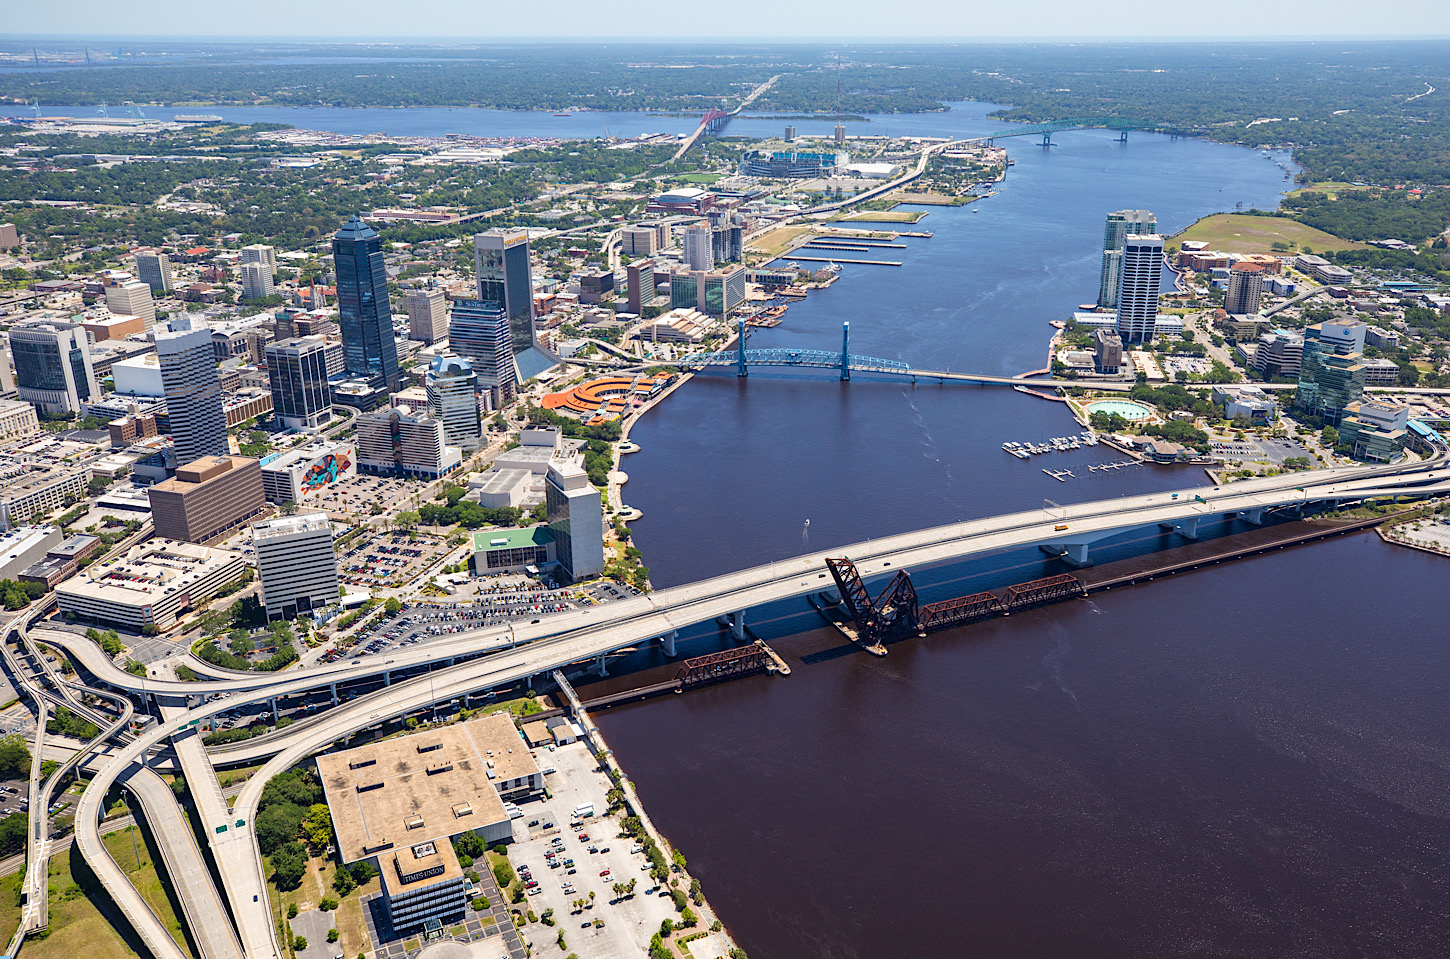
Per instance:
x=151, y=585
x=400, y=801
x=24, y=545
x=206, y=498
x=1381, y=372
x=1108, y=353
x=512, y=550
x=30, y=490
x=1374, y=431
x=292, y=476
x=17, y=418
x=501, y=488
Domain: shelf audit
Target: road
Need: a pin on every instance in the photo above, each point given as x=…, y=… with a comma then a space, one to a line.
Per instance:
x=700, y=130
x=579, y=636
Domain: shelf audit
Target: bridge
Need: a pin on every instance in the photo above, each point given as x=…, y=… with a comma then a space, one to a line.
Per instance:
x=845, y=363
x=715, y=119
x=1121, y=124
x=481, y=659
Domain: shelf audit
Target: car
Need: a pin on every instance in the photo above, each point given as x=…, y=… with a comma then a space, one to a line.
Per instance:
x=583, y=837
x=604, y=874
x=572, y=871
x=593, y=848
x=604, y=849
x=533, y=822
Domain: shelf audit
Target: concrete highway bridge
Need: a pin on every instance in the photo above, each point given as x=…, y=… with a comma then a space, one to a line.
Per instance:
x=482, y=659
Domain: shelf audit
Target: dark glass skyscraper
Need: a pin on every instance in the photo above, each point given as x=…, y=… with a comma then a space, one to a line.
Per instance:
x=364, y=317
x=479, y=330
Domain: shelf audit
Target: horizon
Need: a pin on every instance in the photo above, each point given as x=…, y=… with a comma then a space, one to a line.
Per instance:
x=810, y=20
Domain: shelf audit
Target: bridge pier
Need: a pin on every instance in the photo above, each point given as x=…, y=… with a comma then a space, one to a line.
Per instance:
x=737, y=626
x=273, y=703
x=332, y=687
x=1123, y=136
x=740, y=369
x=1047, y=139
x=1255, y=515
x=598, y=665
x=668, y=642
x=1073, y=554
x=846, y=351
x=1188, y=528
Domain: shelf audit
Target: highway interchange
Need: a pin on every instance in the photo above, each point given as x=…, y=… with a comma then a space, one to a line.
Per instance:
x=479, y=659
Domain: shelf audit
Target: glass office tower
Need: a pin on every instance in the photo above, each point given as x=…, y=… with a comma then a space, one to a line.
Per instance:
x=364, y=317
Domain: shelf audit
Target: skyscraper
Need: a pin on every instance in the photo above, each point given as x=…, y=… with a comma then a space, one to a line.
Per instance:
x=480, y=331
x=256, y=281
x=427, y=315
x=53, y=366
x=575, y=519
x=1245, y=289
x=699, y=244
x=1140, y=274
x=453, y=398
x=502, y=262
x=132, y=298
x=298, y=371
x=297, y=564
x=154, y=269
x=364, y=317
x=193, y=394
x=1120, y=226
x=642, y=288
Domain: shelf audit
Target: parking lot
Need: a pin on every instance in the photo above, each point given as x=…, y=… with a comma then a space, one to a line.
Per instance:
x=390, y=560
x=1273, y=451
x=628, y=922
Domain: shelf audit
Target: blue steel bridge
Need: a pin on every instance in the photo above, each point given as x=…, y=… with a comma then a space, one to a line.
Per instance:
x=844, y=363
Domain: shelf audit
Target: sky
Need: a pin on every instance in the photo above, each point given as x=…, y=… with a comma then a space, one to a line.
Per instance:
x=762, y=19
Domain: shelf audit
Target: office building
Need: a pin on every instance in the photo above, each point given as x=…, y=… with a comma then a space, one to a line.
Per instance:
x=642, y=290
x=400, y=801
x=427, y=315
x=1141, y=272
x=25, y=545
x=60, y=561
x=292, y=476
x=1381, y=372
x=30, y=491
x=1278, y=353
x=9, y=236
x=256, y=281
x=453, y=398
x=1245, y=289
x=154, y=269
x=1108, y=351
x=501, y=260
x=1374, y=431
x=790, y=134
x=364, y=316
x=512, y=550
x=1333, y=373
x=297, y=370
x=132, y=298
x=1120, y=226
x=208, y=497
x=150, y=585
x=53, y=366
x=714, y=294
x=198, y=422
x=7, y=368
x=727, y=241
x=111, y=326
x=17, y=418
x=296, y=563
x=398, y=441
x=699, y=247
x=479, y=330
x=640, y=241
x=575, y=519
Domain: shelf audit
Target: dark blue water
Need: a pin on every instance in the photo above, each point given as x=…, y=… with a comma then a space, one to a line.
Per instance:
x=1249, y=761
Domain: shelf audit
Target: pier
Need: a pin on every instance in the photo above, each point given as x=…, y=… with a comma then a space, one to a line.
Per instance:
x=837, y=259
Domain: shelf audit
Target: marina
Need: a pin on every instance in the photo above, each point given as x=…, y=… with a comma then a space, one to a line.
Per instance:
x=1058, y=444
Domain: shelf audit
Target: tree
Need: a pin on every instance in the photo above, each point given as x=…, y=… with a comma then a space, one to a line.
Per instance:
x=13, y=830
x=332, y=935
x=317, y=827
x=277, y=825
x=14, y=759
x=327, y=904
x=1329, y=436
x=299, y=943
x=289, y=864
x=503, y=874
x=392, y=607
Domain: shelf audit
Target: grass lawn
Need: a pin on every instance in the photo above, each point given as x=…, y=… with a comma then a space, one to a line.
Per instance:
x=1241, y=233
x=775, y=242
x=230, y=777
x=699, y=177
x=9, y=910
x=888, y=216
x=77, y=925
x=316, y=885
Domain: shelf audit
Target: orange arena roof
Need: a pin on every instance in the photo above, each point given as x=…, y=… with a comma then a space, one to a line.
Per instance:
x=609, y=392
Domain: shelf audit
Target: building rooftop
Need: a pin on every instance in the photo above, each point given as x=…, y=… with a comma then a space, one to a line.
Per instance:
x=149, y=571
x=288, y=525
x=389, y=796
x=487, y=539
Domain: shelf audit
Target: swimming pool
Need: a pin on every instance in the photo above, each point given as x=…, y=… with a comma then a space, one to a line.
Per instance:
x=1130, y=411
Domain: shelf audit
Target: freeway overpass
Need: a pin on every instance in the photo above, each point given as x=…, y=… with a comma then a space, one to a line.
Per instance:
x=583, y=635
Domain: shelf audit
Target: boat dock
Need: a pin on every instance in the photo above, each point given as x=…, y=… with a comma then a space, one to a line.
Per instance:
x=838, y=259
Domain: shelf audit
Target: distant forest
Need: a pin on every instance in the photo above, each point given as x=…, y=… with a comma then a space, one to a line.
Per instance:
x=1351, y=110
